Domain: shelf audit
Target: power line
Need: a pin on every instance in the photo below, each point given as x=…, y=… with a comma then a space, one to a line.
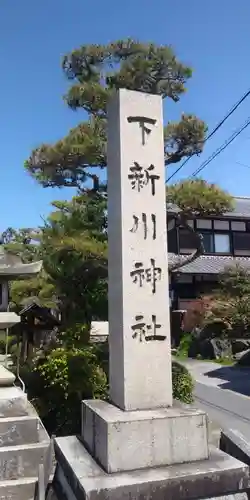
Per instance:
x=178, y=169
x=222, y=147
x=217, y=127
x=242, y=164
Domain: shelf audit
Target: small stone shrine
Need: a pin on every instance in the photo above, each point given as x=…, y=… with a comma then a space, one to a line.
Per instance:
x=140, y=445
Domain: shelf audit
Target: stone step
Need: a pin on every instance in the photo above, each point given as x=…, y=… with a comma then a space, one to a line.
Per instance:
x=77, y=474
x=22, y=460
x=18, y=430
x=13, y=402
x=18, y=489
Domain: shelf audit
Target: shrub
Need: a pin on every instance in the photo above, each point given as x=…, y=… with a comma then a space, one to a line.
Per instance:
x=58, y=383
x=182, y=383
x=11, y=342
x=185, y=344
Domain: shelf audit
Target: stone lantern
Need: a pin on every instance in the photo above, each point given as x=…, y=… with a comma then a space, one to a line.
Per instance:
x=11, y=269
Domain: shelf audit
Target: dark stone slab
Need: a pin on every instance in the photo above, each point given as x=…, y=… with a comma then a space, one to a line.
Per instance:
x=235, y=444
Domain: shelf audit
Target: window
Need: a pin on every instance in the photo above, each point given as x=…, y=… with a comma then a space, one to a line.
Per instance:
x=184, y=278
x=238, y=225
x=204, y=224
x=222, y=225
x=187, y=241
x=221, y=243
x=241, y=243
x=216, y=243
x=208, y=242
x=213, y=242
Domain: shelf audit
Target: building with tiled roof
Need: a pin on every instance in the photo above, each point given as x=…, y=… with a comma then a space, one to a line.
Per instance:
x=226, y=241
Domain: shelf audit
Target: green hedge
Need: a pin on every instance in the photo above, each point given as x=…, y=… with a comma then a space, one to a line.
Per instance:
x=183, y=384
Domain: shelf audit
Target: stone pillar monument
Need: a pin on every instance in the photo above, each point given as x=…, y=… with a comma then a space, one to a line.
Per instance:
x=140, y=428
x=131, y=442
x=139, y=332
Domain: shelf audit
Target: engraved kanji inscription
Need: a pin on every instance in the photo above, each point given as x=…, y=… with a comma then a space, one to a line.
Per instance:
x=137, y=177
x=143, y=221
x=142, y=122
x=148, y=331
x=141, y=274
x=141, y=177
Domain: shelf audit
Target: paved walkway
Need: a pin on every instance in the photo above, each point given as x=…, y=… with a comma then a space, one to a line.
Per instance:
x=223, y=392
x=215, y=375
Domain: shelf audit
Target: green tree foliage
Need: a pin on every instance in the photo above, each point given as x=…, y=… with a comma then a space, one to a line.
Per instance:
x=196, y=198
x=22, y=242
x=96, y=71
x=231, y=302
x=74, y=248
x=199, y=198
x=235, y=282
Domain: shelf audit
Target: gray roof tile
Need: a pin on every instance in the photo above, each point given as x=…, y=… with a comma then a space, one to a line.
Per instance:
x=208, y=264
x=241, y=208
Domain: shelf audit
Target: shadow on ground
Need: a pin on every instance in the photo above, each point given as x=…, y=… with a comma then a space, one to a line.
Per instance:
x=236, y=378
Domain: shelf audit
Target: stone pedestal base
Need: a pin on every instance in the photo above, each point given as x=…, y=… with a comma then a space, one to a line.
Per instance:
x=78, y=477
x=123, y=441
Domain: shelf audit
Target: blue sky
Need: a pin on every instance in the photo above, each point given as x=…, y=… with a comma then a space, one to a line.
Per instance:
x=212, y=37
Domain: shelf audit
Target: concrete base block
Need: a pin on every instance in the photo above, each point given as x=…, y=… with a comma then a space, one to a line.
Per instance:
x=123, y=441
x=81, y=477
x=13, y=402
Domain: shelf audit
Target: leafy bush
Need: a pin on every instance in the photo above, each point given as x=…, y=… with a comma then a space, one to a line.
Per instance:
x=12, y=341
x=58, y=383
x=182, y=383
x=59, y=379
x=185, y=344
